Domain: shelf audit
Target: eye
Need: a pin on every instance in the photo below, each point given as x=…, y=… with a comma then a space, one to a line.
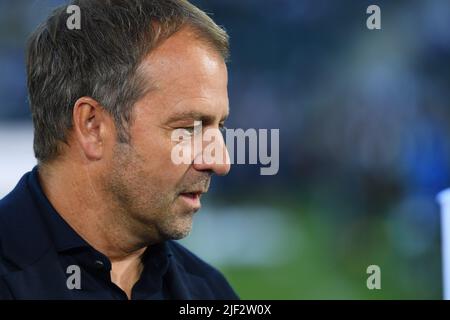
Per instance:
x=222, y=128
x=189, y=130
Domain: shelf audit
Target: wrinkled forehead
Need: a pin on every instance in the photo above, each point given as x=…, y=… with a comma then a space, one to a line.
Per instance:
x=184, y=56
x=187, y=76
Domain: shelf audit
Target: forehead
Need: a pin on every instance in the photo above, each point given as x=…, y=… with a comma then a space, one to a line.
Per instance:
x=186, y=74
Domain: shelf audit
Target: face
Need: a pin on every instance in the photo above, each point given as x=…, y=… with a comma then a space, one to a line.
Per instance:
x=159, y=197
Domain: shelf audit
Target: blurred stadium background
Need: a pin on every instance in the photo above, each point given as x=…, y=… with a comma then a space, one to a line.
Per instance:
x=364, y=126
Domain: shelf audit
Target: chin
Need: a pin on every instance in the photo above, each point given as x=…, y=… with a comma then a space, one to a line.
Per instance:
x=176, y=234
x=176, y=231
x=179, y=236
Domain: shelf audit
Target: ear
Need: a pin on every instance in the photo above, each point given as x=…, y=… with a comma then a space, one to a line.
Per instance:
x=91, y=127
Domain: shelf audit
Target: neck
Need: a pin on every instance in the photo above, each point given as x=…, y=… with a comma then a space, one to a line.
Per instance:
x=126, y=272
x=77, y=196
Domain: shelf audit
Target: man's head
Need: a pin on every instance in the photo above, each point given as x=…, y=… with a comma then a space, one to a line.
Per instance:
x=105, y=99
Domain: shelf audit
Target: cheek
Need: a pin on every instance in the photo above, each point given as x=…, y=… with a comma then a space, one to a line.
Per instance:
x=155, y=151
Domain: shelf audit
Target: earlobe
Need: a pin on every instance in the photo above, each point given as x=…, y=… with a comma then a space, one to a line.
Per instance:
x=88, y=122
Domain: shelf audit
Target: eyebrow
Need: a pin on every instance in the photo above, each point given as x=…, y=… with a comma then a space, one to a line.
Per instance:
x=194, y=115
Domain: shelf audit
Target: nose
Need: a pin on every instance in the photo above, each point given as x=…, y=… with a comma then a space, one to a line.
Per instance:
x=214, y=156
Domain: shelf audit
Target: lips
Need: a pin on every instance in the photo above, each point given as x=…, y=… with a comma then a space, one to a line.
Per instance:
x=192, y=194
x=192, y=199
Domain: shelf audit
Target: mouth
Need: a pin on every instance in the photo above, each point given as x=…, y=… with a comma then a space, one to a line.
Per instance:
x=192, y=199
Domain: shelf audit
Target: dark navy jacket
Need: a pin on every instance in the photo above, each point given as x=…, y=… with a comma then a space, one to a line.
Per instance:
x=31, y=260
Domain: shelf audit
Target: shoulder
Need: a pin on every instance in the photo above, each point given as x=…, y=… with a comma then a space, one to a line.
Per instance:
x=11, y=208
x=197, y=267
x=15, y=201
x=8, y=206
x=20, y=228
x=14, y=208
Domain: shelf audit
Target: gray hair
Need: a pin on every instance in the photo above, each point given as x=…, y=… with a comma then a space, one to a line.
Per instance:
x=101, y=61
